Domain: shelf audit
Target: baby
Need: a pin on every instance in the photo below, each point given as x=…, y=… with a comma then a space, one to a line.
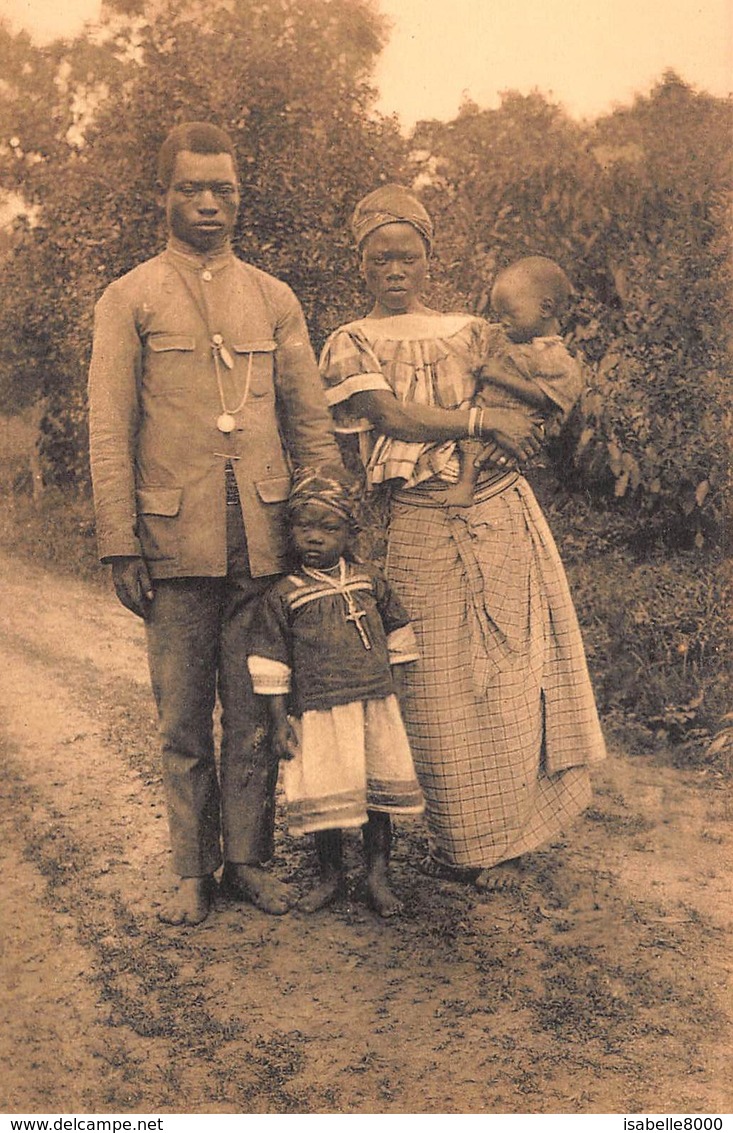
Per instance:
x=527, y=367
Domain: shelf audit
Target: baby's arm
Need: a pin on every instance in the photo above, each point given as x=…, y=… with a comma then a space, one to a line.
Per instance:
x=561, y=377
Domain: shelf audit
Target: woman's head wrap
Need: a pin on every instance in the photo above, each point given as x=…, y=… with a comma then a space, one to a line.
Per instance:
x=319, y=486
x=390, y=204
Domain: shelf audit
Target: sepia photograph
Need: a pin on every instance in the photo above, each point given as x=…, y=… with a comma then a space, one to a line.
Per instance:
x=366, y=669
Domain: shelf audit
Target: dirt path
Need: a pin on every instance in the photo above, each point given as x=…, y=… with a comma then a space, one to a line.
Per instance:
x=607, y=990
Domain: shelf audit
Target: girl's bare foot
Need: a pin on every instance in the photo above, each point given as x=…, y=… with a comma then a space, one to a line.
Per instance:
x=381, y=899
x=327, y=892
x=190, y=902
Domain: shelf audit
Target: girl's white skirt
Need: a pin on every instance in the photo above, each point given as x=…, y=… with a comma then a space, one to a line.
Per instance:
x=352, y=758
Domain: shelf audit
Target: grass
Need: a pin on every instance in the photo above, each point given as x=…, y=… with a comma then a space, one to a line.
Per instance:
x=56, y=531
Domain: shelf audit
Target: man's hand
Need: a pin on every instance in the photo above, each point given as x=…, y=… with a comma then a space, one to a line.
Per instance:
x=132, y=584
x=519, y=437
x=284, y=741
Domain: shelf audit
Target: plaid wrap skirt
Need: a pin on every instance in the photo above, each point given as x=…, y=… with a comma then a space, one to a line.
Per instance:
x=499, y=709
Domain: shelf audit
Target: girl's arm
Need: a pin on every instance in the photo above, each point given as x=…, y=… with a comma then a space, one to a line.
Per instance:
x=283, y=740
x=517, y=435
x=270, y=671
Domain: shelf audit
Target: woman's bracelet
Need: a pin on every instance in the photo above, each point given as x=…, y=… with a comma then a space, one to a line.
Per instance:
x=475, y=421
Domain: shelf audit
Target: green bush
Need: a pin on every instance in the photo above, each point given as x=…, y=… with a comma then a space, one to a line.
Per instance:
x=656, y=625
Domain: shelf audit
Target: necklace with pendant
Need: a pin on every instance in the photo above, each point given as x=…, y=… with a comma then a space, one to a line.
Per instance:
x=226, y=421
x=353, y=614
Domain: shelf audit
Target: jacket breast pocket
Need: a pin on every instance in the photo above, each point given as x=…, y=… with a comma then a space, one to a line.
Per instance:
x=258, y=361
x=157, y=522
x=168, y=362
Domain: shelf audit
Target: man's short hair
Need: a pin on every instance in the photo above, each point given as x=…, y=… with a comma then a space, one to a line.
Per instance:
x=197, y=137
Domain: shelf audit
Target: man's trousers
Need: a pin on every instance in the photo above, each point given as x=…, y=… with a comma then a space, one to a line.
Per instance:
x=197, y=632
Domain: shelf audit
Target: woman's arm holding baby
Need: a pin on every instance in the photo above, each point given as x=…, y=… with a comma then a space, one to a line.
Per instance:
x=514, y=433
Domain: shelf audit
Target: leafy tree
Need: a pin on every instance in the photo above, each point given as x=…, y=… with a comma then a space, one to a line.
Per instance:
x=661, y=426
x=636, y=208
x=289, y=80
x=508, y=183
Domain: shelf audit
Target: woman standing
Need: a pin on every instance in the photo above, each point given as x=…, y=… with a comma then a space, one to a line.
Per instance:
x=499, y=709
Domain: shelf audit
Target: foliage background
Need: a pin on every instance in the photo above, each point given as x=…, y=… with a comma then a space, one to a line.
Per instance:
x=635, y=205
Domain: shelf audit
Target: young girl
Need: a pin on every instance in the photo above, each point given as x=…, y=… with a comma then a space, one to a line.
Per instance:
x=327, y=638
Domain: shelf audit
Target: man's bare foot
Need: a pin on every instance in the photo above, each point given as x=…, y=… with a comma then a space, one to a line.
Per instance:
x=253, y=883
x=190, y=901
x=506, y=877
x=381, y=899
x=327, y=892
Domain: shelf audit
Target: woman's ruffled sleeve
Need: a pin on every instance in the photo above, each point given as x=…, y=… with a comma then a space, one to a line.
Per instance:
x=348, y=366
x=489, y=341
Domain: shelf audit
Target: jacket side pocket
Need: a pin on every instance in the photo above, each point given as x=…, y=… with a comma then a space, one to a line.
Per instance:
x=274, y=490
x=157, y=527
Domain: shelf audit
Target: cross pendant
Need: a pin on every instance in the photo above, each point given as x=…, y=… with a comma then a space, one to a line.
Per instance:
x=356, y=617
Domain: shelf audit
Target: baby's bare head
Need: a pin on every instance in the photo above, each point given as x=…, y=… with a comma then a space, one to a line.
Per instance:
x=530, y=296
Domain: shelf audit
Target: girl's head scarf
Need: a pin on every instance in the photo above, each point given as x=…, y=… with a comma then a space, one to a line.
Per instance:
x=318, y=486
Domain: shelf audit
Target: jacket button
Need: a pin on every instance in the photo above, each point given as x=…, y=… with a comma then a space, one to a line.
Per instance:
x=206, y=275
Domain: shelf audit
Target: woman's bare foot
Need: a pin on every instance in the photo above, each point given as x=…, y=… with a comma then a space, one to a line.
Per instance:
x=441, y=871
x=506, y=877
x=327, y=892
x=190, y=902
x=381, y=899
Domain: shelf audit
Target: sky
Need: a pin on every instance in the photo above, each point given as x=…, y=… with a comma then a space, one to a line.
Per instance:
x=588, y=55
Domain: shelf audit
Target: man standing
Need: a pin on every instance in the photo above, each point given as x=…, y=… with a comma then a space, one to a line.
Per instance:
x=203, y=391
